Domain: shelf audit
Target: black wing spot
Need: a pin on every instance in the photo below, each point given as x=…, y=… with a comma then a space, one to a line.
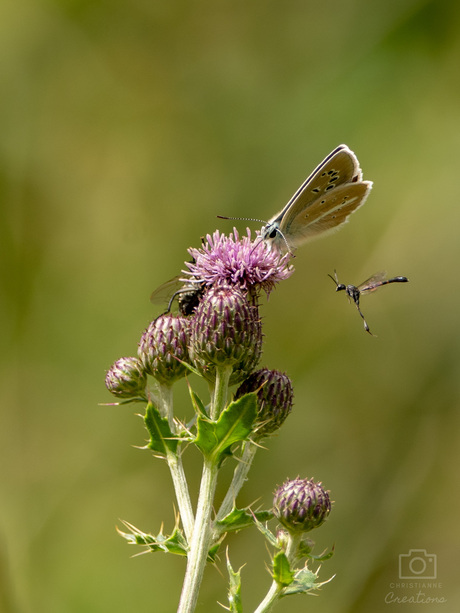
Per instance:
x=329, y=187
x=316, y=190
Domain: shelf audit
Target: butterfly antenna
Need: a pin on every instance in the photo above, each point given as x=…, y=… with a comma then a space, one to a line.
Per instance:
x=260, y=221
x=242, y=218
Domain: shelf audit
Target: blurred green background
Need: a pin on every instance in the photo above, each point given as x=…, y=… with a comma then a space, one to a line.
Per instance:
x=125, y=128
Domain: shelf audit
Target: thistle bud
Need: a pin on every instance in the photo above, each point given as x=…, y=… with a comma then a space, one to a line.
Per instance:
x=226, y=330
x=274, y=398
x=161, y=347
x=301, y=505
x=126, y=378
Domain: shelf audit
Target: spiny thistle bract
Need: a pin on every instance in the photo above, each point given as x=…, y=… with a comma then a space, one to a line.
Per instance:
x=164, y=346
x=301, y=505
x=226, y=330
x=274, y=398
x=126, y=378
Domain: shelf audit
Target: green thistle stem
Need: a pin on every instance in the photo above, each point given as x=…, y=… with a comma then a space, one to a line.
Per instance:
x=202, y=531
x=182, y=493
x=165, y=397
x=201, y=537
x=174, y=461
x=219, y=397
x=239, y=477
x=276, y=591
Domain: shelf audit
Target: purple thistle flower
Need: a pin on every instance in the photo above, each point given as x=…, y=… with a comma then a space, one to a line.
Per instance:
x=238, y=261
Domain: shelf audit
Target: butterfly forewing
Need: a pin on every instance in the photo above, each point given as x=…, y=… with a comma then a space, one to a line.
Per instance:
x=340, y=166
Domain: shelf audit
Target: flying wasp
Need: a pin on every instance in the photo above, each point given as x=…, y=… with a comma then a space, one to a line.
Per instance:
x=370, y=285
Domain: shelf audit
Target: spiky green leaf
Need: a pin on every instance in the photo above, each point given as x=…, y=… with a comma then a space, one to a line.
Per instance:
x=321, y=557
x=174, y=543
x=234, y=589
x=198, y=405
x=270, y=537
x=304, y=581
x=282, y=572
x=238, y=519
x=161, y=437
x=214, y=438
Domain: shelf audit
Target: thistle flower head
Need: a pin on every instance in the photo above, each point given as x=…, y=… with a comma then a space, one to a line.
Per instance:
x=226, y=330
x=126, y=378
x=162, y=345
x=301, y=505
x=274, y=398
x=238, y=261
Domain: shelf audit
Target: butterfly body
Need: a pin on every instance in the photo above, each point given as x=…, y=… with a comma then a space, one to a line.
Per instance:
x=323, y=202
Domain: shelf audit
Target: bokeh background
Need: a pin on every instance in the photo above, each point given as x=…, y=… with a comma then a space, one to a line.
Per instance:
x=125, y=128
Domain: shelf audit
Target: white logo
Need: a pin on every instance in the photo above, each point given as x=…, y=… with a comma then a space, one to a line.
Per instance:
x=417, y=564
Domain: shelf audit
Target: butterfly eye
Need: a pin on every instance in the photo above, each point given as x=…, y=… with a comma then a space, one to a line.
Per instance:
x=273, y=233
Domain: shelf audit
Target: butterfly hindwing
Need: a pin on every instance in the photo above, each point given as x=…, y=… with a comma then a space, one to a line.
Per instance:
x=325, y=214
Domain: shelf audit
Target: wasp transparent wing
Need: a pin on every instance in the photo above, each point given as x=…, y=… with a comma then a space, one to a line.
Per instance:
x=373, y=283
x=164, y=293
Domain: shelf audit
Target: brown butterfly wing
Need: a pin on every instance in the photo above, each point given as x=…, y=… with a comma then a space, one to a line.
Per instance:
x=326, y=213
x=339, y=167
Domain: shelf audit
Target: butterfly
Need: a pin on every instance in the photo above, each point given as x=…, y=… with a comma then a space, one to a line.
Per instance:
x=370, y=285
x=323, y=202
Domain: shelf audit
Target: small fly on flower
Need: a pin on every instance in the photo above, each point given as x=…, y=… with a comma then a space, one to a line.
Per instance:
x=188, y=295
x=368, y=286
